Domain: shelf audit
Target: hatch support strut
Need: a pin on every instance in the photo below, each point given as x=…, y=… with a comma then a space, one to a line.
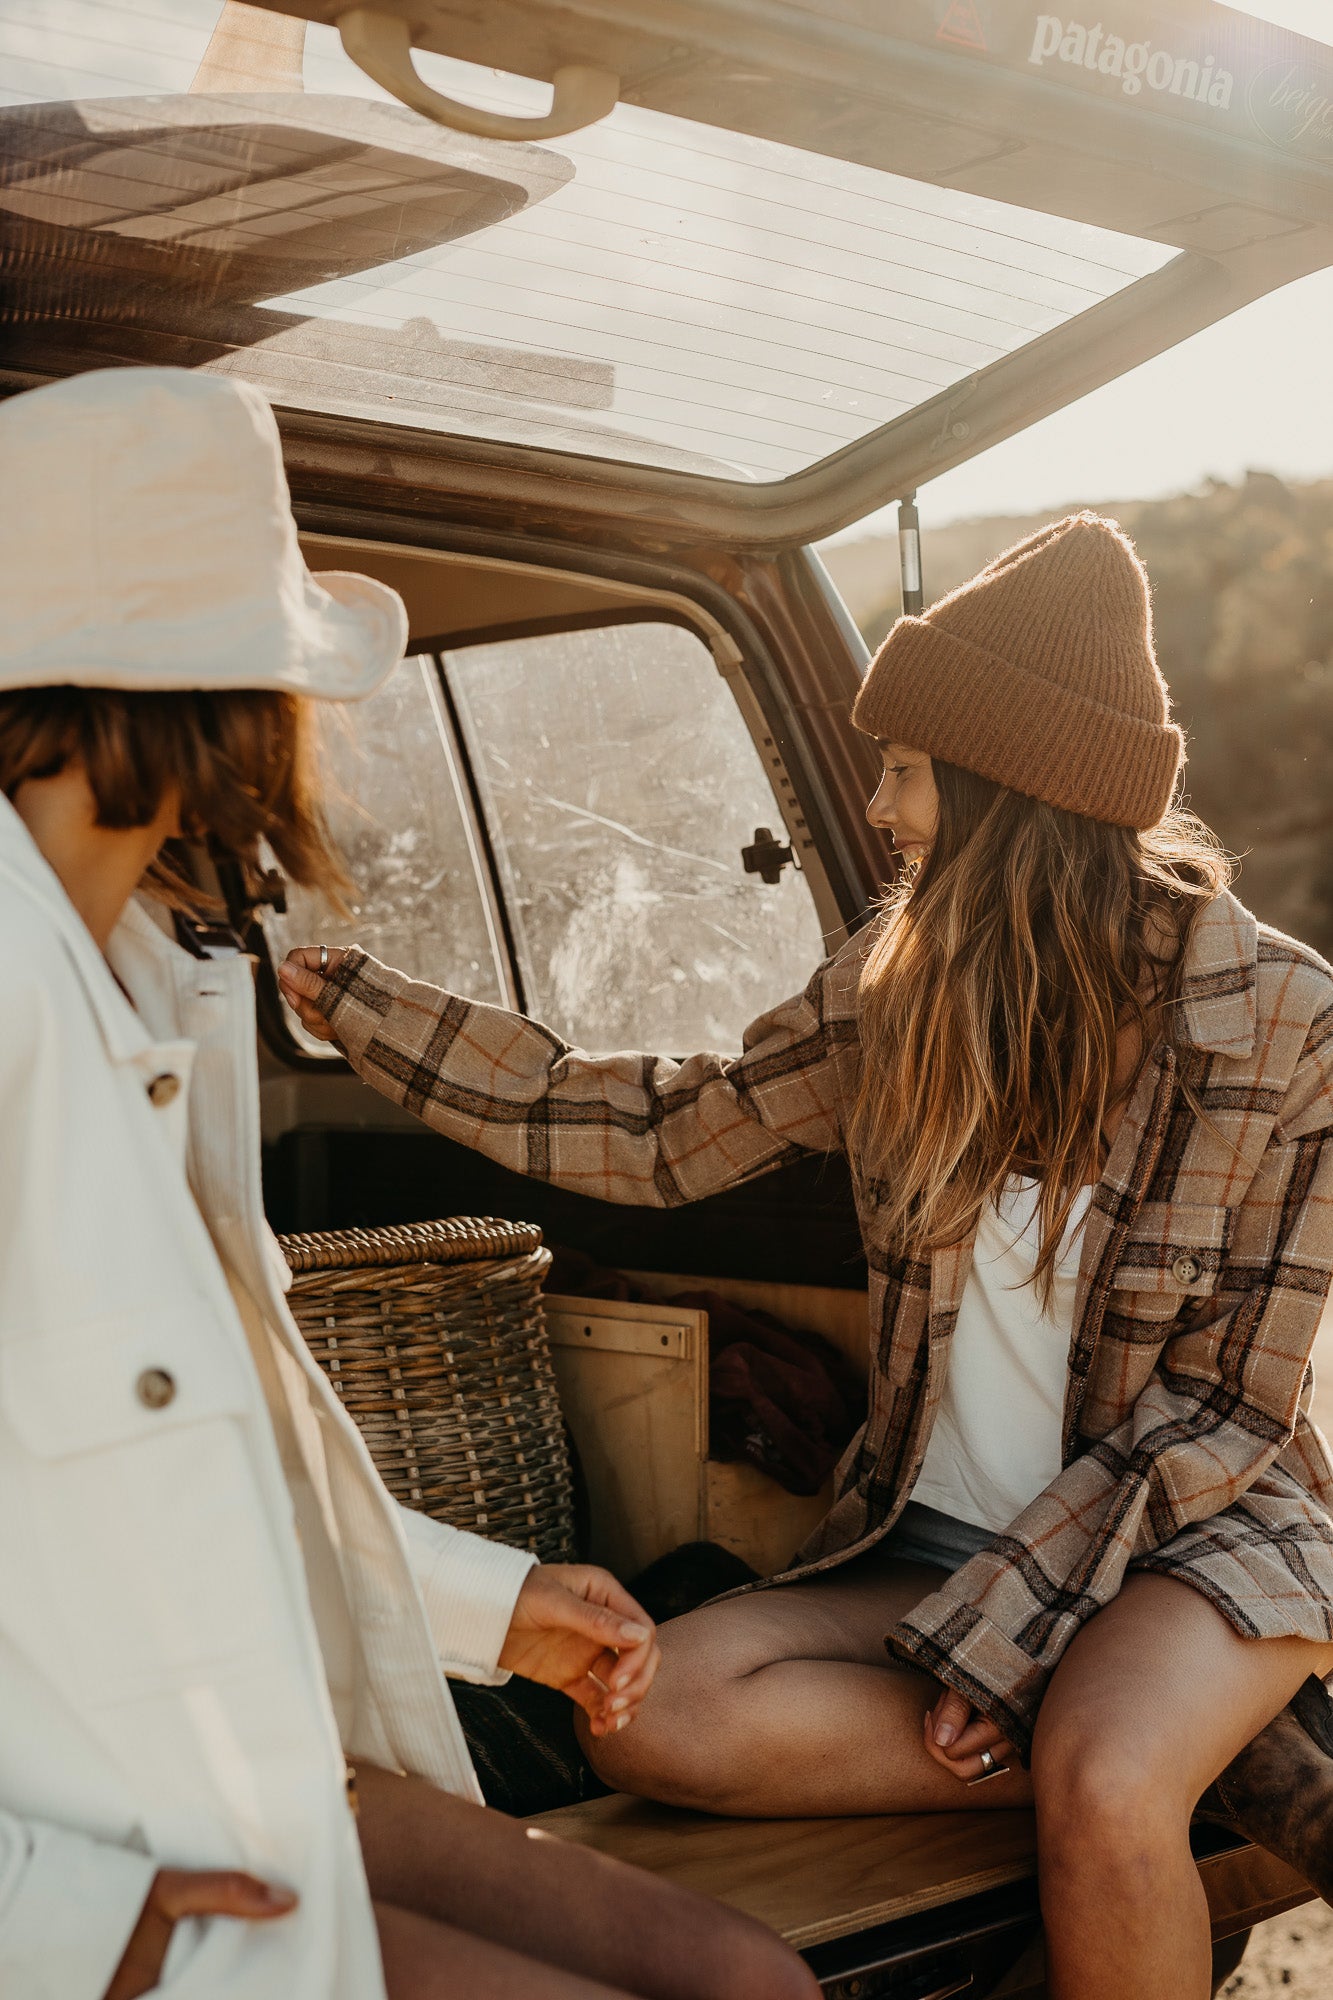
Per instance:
x=909, y=555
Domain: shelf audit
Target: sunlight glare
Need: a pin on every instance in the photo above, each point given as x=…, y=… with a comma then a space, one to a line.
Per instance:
x=1313, y=18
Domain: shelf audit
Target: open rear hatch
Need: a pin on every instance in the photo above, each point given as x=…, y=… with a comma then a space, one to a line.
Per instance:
x=815, y=256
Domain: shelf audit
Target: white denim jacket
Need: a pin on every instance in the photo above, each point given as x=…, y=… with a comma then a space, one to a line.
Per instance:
x=164, y=1695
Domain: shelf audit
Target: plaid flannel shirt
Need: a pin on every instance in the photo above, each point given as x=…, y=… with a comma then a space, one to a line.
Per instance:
x=1206, y=1260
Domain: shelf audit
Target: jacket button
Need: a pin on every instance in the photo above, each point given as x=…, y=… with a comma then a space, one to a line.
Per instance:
x=1186, y=1269
x=164, y=1090
x=155, y=1388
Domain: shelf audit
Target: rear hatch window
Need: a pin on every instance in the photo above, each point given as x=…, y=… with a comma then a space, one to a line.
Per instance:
x=651, y=289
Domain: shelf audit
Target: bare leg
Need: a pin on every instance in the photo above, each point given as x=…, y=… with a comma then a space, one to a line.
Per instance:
x=785, y=1704
x=424, y=1960
x=1151, y=1701
x=582, y=1925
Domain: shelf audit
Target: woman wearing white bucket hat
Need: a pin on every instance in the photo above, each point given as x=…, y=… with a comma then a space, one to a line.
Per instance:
x=210, y=1601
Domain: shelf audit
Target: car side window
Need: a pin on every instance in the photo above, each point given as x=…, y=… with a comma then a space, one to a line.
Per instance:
x=619, y=784
x=398, y=807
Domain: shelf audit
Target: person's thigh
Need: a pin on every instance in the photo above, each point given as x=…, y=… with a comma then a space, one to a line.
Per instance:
x=786, y=1703
x=843, y=1616
x=513, y=1884
x=1157, y=1693
x=425, y=1960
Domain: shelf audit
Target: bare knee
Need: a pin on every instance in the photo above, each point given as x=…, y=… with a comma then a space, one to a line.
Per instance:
x=687, y=1745
x=734, y=1955
x=1105, y=1805
x=761, y=1967
x=679, y=1750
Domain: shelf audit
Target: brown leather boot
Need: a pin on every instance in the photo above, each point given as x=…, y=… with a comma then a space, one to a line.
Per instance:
x=1279, y=1791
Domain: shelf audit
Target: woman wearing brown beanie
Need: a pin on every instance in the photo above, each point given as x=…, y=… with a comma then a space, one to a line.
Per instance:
x=1081, y=1553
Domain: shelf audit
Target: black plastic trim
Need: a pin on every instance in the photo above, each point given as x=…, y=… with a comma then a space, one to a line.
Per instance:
x=482, y=827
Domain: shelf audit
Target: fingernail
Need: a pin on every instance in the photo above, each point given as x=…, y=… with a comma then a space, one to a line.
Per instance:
x=621, y=1701
x=944, y=1734
x=634, y=1635
x=279, y=1899
x=622, y=1721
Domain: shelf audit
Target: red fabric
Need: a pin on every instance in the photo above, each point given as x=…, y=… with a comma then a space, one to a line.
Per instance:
x=787, y=1402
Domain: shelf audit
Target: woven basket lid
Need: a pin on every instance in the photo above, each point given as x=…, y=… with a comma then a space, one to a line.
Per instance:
x=454, y=1239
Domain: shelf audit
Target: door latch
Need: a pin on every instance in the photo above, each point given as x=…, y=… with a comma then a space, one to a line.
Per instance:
x=768, y=856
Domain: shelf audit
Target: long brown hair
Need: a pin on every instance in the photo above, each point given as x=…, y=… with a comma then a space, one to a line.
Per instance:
x=244, y=761
x=993, y=998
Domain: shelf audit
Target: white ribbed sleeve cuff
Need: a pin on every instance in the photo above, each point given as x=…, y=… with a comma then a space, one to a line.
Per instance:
x=470, y=1587
x=67, y=1907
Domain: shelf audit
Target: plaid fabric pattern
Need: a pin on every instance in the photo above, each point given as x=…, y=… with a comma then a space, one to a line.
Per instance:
x=1206, y=1259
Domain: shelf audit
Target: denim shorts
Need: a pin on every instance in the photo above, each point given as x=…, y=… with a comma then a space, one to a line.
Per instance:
x=923, y=1535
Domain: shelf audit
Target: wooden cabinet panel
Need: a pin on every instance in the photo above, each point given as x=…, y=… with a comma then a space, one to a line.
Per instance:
x=634, y=1384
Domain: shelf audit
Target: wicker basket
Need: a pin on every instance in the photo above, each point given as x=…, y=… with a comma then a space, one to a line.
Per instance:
x=432, y=1334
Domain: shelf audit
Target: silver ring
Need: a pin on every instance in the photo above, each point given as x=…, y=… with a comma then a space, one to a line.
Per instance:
x=989, y=1769
x=323, y=959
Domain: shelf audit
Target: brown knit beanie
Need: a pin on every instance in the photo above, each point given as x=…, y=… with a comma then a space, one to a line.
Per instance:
x=1040, y=674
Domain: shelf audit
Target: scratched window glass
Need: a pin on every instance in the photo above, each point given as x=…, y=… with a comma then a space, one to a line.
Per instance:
x=396, y=806
x=620, y=784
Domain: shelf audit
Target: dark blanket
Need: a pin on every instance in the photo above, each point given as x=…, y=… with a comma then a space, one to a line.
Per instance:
x=784, y=1401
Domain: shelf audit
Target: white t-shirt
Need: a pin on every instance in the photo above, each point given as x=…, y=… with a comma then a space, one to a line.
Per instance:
x=996, y=1441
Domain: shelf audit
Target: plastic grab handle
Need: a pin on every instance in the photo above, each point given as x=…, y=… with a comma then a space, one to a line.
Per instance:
x=381, y=45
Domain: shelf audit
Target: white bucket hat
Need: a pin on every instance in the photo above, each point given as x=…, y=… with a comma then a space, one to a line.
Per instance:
x=147, y=541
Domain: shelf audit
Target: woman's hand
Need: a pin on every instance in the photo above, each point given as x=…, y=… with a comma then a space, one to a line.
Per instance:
x=956, y=1735
x=576, y=1629
x=302, y=982
x=184, y=1892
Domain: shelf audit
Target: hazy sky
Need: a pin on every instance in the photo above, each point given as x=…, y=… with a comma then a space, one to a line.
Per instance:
x=1307, y=17
x=1254, y=390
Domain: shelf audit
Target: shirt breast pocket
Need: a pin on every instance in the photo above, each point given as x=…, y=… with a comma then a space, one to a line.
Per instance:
x=1171, y=1261
x=139, y=1545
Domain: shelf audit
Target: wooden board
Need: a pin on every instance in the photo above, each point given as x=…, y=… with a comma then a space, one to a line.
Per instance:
x=843, y=1318
x=812, y=1879
x=641, y=1427
x=827, y=1879
x=633, y=1382
x=817, y=1879
x=745, y=1510
x=758, y=1520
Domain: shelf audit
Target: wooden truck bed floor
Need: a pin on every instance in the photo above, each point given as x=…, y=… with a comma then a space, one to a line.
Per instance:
x=812, y=1879
x=818, y=1879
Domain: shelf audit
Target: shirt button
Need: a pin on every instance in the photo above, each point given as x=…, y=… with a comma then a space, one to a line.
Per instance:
x=155, y=1388
x=1186, y=1269
x=164, y=1090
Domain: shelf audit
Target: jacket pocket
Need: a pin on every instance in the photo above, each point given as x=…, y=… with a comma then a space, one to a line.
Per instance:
x=1171, y=1259
x=121, y=1380
x=138, y=1547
